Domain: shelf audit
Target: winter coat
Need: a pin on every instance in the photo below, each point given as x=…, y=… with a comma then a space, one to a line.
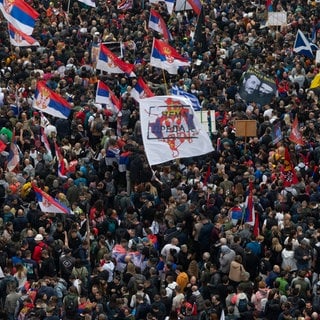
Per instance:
x=257, y=299
x=225, y=261
x=288, y=260
x=236, y=269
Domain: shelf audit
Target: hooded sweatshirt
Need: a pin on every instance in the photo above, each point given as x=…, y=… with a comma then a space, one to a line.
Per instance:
x=257, y=298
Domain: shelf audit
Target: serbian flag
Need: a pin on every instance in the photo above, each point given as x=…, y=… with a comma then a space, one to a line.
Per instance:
x=165, y=57
x=89, y=3
x=14, y=157
x=109, y=62
x=48, y=203
x=295, y=134
x=62, y=170
x=269, y=5
x=124, y=4
x=195, y=5
x=157, y=23
x=102, y=93
x=251, y=216
x=50, y=102
x=45, y=141
x=44, y=120
x=20, y=14
x=207, y=175
x=141, y=90
x=106, y=96
x=288, y=173
x=20, y=39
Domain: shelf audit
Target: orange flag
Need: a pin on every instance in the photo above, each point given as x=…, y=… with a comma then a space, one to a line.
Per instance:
x=295, y=134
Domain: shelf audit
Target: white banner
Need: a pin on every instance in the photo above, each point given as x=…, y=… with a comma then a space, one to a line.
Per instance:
x=171, y=130
x=277, y=18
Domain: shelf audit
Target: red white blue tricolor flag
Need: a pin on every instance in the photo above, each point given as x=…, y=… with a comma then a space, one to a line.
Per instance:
x=20, y=14
x=48, y=203
x=50, y=102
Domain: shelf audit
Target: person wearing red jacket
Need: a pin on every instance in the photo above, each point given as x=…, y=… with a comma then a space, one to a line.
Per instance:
x=40, y=245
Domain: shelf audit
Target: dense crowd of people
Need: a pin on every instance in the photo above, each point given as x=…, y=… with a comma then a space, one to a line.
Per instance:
x=171, y=241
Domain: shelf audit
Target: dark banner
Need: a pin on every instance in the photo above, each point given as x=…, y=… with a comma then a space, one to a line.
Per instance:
x=256, y=87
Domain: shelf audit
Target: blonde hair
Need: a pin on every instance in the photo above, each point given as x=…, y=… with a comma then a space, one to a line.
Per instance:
x=276, y=245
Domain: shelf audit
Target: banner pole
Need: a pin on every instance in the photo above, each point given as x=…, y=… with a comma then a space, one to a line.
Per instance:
x=165, y=82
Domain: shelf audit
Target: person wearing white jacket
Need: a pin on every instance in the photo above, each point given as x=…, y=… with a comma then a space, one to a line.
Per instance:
x=288, y=261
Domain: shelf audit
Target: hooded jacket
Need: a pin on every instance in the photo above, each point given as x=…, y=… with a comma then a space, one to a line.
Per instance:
x=236, y=269
x=227, y=256
x=257, y=298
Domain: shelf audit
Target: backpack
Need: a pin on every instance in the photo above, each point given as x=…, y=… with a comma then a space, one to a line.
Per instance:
x=97, y=125
x=200, y=302
x=3, y=259
x=242, y=305
x=204, y=315
x=2, y=191
x=71, y=305
x=112, y=225
x=121, y=203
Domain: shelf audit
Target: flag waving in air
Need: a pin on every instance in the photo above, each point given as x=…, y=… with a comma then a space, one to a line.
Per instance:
x=19, y=38
x=109, y=62
x=48, y=203
x=62, y=170
x=295, y=134
x=175, y=90
x=90, y=3
x=166, y=57
x=288, y=172
x=157, y=23
x=14, y=157
x=251, y=217
x=170, y=129
x=106, y=96
x=302, y=45
x=141, y=90
x=196, y=6
x=50, y=102
x=20, y=14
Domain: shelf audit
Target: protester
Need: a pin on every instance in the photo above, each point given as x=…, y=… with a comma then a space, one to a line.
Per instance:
x=130, y=241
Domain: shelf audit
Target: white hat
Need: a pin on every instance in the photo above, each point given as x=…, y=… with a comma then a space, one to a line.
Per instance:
x=38, y=237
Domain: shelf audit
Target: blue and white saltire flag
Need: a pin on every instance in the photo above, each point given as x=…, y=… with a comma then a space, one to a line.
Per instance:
x=302, y=45
x=175, y=90
x=313, y=39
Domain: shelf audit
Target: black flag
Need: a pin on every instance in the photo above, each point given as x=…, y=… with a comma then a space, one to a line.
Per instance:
x=199, y=34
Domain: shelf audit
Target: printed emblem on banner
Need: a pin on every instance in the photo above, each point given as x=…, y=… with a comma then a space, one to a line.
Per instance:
x=174, y=125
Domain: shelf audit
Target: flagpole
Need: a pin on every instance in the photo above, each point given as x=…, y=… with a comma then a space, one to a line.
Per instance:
x=68, y=8
x=165, y=82
x=209, y=123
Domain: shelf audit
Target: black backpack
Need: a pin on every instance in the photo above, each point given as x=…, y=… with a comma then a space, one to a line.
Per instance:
x=242, y=305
